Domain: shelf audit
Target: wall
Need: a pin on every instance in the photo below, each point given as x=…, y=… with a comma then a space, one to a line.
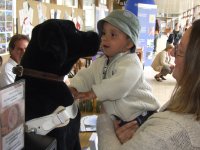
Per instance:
x=45, y=12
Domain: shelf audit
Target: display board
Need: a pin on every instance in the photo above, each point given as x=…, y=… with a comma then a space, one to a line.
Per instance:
x=31, y=13
x=12, y=116
x=147, y=16
x=6, y=24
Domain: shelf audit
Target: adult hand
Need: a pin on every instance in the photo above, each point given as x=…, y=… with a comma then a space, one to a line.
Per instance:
x=125, y=132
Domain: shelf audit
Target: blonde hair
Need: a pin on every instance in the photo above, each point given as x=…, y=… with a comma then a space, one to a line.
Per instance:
x=169, y=46
x=186, y=95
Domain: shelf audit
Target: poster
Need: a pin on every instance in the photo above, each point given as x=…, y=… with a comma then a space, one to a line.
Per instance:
x=12, y=116
x=42, y=10
x=26, y=19
x=6, y=22
x=147, y=19
x=100, y=14
x=89, y=17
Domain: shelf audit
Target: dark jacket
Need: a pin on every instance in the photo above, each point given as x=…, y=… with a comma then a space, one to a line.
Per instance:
x=174, y=37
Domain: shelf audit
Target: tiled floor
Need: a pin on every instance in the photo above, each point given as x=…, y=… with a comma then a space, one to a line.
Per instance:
x=161, y=90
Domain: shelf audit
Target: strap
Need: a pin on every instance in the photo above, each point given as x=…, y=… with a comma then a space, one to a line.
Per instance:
x=20, y=71
x=59, y=118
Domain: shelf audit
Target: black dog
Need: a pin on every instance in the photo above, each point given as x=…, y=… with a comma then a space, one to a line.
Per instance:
x=54, y=48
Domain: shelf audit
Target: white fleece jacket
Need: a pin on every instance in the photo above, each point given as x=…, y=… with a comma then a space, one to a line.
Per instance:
x=124, y=92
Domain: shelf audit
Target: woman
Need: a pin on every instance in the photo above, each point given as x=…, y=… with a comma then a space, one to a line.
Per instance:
x=178, y=126
x=162, y=63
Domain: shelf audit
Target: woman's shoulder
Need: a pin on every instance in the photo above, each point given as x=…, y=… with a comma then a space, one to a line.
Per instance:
x=172, y=130
x=172, y=125
x=178, y=118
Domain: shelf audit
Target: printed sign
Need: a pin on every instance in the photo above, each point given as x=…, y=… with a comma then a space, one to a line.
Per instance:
x=12, y=116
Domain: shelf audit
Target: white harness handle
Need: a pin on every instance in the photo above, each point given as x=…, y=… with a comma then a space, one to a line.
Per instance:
x=59, y=118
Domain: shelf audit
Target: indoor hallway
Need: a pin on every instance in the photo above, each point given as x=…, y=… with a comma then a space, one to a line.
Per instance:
x=161, y=90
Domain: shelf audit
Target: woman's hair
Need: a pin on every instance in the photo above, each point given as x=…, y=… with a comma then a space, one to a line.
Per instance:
x=16, y=38
x=186, y=95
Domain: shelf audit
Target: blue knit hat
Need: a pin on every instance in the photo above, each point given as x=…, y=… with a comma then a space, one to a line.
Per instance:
x=125, y=21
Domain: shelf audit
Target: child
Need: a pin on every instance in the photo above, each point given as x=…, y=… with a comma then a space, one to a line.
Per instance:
x=116, y=78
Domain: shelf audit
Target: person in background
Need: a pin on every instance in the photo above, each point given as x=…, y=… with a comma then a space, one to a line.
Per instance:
x=168, y=31
x=175, y=36
x=116, y=79
x=177, y=125
x=187, y=25
x=156, y=35
x=16, y=47
x=162, y=63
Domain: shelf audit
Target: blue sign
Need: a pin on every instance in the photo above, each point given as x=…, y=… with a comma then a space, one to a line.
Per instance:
x=147, y=18
x=146, y=11
x=132, y=5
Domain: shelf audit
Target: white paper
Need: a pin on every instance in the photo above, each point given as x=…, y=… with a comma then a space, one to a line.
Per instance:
x=30, y=15
x=88, y=123
x=93, y=141
x=21, y=16
x=89, y=16
x=42, y=9
x=58, y=13
x=67, y=16
x=25, y=7
x=52, y=13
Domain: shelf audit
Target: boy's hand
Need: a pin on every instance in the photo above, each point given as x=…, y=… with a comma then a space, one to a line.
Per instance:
x=86, y=95
x=74, y=92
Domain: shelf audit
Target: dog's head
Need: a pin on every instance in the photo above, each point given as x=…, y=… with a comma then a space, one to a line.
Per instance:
x=56, y=45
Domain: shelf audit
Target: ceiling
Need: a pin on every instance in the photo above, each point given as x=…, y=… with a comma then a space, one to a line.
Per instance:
x=175, y=6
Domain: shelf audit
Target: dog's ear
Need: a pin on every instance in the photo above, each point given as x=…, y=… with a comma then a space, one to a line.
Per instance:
x=52, y=42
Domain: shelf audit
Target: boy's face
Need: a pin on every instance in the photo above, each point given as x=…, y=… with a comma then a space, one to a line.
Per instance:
x=114, y=41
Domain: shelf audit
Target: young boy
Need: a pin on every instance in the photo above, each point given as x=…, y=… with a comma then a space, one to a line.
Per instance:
x=116, y=78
